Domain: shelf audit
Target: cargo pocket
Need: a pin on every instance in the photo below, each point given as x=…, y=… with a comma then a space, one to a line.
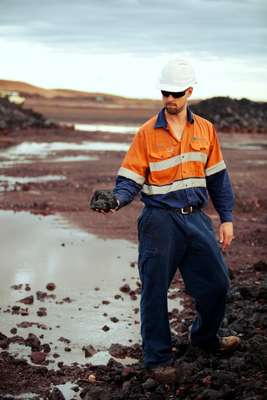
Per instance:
x=207, y=221
x=144, y=258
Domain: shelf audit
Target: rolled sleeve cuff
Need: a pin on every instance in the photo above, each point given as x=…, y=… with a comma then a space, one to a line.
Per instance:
x=121, y=200
x=226, y=216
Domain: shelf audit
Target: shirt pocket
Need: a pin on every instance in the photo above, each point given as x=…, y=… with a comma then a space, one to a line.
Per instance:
x=201, y=145
x=163, y=152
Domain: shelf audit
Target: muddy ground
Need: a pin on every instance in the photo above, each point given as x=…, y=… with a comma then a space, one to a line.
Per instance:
x=199, y=375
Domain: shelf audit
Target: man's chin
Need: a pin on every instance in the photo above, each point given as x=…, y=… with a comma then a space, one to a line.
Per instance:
x=172, y=110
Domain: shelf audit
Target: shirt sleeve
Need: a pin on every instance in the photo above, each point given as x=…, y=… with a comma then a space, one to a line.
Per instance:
x=218, y=181
x=133, y=171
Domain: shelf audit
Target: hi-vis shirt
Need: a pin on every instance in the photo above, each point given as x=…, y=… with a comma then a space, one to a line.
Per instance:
x=172, y=173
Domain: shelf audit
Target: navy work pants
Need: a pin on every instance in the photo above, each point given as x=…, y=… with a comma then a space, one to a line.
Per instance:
x=169, y=240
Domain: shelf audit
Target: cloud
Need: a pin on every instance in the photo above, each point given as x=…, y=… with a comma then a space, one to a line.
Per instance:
x=139, y=26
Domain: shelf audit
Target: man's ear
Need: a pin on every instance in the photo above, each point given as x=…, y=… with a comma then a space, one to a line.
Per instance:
x=189, y=91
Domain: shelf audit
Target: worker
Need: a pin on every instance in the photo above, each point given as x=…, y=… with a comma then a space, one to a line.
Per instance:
x=175, y=161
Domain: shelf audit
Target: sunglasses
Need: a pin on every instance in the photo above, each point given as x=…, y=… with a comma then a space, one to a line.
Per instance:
x=175, y=95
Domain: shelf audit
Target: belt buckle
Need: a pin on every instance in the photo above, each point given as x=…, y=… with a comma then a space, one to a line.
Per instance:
x=186, y=212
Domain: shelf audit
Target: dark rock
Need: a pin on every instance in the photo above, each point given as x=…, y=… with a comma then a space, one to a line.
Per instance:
x=149, y=384
x=118, y=350
x=103, y=200
x=246, y=292
x=210, y=394
x=260, y=266
x=17, y=287
x=125, y=288
x=105, y=328
x=94, y=392
x=262, y=293
x=64, y=340
x=114, y=319
x=231, y=115
x=41, y=312
x=33, y=341
x=38, y=357
x=15, y=309
x=46, y=348
x=13, y=116
x=27, y=300
x=89, y=350
x=56, y=394
x=50, y=286
x=44, y=296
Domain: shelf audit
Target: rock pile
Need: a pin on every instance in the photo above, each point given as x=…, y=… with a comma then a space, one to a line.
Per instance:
x=13, y=116
x=199, y=375
x=231, y=115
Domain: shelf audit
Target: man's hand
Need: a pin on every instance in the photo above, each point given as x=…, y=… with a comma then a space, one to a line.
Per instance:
x=110, y=210
x=226, y=234
x=104, y=201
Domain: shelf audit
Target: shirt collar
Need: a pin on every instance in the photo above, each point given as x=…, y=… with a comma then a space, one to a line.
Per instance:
x=161, y=121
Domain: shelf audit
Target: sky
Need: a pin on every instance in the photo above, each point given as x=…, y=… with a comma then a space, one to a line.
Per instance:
x=120, y=46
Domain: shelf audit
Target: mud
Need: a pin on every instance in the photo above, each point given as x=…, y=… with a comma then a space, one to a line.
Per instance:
x=65, y=368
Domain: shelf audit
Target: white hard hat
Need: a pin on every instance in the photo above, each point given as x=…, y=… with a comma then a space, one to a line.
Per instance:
x=177, y=76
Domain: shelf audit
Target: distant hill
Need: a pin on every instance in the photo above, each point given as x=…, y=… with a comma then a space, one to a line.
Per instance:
x=28, y=90
x=228, y=115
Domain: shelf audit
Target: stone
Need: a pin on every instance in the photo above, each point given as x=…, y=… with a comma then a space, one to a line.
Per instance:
x=51, y=286
x=38, y=357
x=149, y=384
x=56, y=394
x=27, y=300
x=89, y=350
x=125, y=288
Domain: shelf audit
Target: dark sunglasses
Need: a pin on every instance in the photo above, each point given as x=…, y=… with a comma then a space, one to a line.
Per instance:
x=175, y=95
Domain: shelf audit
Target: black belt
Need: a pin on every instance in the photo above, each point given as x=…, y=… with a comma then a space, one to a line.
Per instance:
x=187, y=210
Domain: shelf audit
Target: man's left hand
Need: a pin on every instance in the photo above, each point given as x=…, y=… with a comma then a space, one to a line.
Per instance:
x=226, y=234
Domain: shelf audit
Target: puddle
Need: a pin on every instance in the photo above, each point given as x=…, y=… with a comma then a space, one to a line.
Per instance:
x=24, y=152
x=88, y=270
x=23, y=396
x=44, y=149
x=245, y=146
x=73, y=159
x=8, y=183
x=106, y=128
x=55, y=159
x=256, y=162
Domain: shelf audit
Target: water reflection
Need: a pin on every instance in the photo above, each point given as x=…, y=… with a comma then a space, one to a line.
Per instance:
x=8, y=183
x=44, y=149
x=106, y=128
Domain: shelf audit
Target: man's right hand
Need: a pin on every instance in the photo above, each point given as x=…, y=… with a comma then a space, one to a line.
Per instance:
x=104, y=201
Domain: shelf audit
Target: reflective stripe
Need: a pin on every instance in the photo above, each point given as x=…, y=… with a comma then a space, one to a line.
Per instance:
x=127, y=173
x=215, y=168
x=179, y=185
x=173, y=161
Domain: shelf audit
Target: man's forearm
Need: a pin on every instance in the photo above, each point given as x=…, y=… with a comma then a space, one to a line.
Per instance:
x=221, y=193
x=125, y=190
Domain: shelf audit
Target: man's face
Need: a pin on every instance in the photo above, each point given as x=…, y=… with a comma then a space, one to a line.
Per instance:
x=175, y=105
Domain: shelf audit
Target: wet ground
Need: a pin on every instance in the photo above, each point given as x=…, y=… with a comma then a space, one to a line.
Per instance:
x=49, y=235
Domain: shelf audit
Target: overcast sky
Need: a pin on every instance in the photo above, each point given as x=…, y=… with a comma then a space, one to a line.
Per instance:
x=120, y=46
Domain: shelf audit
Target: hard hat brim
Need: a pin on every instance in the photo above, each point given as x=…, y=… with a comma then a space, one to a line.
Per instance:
x=176, y=88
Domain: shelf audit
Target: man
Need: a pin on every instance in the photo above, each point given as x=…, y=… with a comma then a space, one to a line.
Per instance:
x=175, y=160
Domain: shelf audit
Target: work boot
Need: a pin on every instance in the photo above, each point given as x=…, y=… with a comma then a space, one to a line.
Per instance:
x=228, y=344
